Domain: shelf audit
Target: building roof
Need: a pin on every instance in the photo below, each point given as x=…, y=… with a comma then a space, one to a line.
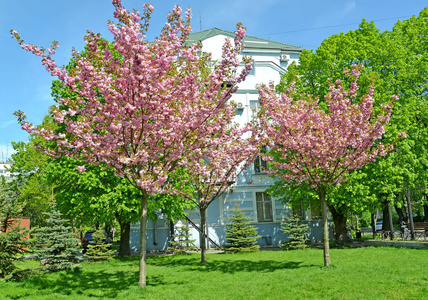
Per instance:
x=249, y=41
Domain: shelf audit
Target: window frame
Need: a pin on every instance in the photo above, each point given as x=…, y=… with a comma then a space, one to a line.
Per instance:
x=261, y=166
x=254, y=106
x=264, y=203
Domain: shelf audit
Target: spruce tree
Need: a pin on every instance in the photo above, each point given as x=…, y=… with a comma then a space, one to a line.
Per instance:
x=296, y=233
x=13, y=238
x=241, y=236
x=57, y=247
x=100, y=250
x=181, y=242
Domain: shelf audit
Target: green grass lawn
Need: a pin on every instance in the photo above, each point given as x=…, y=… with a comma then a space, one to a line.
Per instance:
x=363, y=273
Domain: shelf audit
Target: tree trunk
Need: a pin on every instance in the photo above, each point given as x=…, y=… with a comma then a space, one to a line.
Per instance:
x=171, y=230
x=340, y=230
x=425, y=212
x=385, y=216
x=400, y=214
x=75, y=231
x=391, y=232
x=410, y=214
x=114, y=230
x=321, y=194
x=374, y=220
x=202, y=212
x=125, y=229
x=143, y=234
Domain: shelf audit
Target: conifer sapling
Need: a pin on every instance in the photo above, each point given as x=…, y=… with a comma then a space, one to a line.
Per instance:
x=241, y=235
x=296, y=233
x=100, y=250
x=181, y=242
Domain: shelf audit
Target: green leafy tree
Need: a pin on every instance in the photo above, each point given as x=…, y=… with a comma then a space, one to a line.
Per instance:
x=100, y=250
x=241, y=236
x=182, y=242
x=296, y=233
x=57, y=247
x=94, y=197
x=29, y=179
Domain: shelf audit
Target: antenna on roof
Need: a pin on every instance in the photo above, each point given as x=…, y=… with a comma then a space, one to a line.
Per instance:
x=200, y=17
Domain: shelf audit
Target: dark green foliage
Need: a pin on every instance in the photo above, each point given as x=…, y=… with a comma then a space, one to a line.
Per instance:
x=12, y=242
x=241, y=235
x=13, y=239
x=296, y=233
x=57, y=247
x=100, y=250
x=181, y=242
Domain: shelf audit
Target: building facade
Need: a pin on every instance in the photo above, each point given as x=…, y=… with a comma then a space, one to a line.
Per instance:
x=4, y=170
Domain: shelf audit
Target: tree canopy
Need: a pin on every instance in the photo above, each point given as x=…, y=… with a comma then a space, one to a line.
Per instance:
x=148, y=112
x=319, y=143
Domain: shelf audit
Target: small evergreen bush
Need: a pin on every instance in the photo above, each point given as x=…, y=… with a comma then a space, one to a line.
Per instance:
x=181, y=242
x=57, y=247
x=241, y=235
x=296, y=233
x=100, y=250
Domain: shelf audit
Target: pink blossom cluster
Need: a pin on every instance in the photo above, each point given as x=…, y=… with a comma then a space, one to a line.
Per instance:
x=145, y=108
x=229, y=154
x=320, y=145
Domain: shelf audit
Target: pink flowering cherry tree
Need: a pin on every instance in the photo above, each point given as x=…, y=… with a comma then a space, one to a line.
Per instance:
x=230, y=153
x=143, y=108
x=318, y=146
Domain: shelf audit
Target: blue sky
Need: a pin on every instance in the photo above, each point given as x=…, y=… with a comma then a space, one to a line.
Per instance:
x=25, y=84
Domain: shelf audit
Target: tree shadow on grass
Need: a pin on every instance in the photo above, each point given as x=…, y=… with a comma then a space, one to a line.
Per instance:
x=110, y=283
x=96, y=284
x=227, y=265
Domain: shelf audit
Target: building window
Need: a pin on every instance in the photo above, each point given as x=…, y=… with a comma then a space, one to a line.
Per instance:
x=260, y=166
x=264, y=207
x=254, y=106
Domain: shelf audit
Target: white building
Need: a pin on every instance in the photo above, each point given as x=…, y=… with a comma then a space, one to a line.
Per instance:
x=270, y=62
x=4, y=170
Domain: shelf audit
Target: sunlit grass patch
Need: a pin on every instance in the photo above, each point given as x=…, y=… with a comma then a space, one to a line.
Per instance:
x=364, y=273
